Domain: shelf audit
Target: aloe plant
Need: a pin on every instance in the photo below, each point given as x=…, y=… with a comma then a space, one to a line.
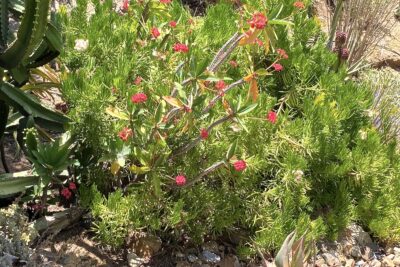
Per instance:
x=35, y=43
x=293, y=252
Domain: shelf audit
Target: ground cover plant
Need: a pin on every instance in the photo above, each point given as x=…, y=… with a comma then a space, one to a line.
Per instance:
x=241, y=119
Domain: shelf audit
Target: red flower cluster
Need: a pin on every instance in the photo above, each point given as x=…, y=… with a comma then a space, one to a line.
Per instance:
x=240, y=165
x=125, y=133
x=172, y=24
x=138, y=80
x=272, y=117
x=155, y=32
x=282, y=53
x=72, y=186
x=220, y=85
x=125, y=6
x=180, y=180
x=139, y=98
x=203, y=133
x=165, y=1
x=299, y=5
x=277, y=67
x=178, y=47
x=258, y=21
x=66, y=193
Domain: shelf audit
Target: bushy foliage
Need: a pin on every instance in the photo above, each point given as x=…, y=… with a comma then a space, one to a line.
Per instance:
x=306, y=157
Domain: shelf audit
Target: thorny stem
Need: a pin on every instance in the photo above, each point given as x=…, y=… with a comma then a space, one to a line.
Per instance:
x=219, y=96
x=205, y=172
x=194, y=142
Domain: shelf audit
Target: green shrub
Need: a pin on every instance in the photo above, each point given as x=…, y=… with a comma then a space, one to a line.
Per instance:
x=320, y=165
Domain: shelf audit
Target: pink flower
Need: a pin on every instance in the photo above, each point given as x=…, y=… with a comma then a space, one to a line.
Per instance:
x=72, y=186
x=155, y=32
x=138, y=80
x=180, y=180
x=277, y=67
x=258, y=21
x=139, y=98
x=125, y=133
x=272, y=117
x=66, y=193
x=282, y=53
x=259, y=42
x=165, y=1
x=178, y=47
x=299, y=5
x=203, y=133
x=125, y=6
x=172, y=24
x=220, y=85
x=240, y=165
x=233, y=64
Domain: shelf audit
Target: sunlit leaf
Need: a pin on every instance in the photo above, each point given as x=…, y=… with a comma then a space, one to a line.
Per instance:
x=114, y=112
x=115, y=167
x=139, y=170
x=173, y=101
x=250, y=37
x=253, y=91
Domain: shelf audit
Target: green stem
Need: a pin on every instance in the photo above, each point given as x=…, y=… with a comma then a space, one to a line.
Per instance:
x=334, y=23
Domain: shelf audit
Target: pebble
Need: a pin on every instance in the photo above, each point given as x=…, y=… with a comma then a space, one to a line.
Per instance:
x=356, y=252
x=331, y=260
x=350, y=263
x=210, y=257
x=375, y=263
x=359, y=263
x=134, y=260
x=386, y=262
x=396, y=251
x=396, y=260
x=192, y=258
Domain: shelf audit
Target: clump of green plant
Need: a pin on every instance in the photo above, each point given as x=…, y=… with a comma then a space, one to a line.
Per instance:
x=16, y=234
x=257, y=132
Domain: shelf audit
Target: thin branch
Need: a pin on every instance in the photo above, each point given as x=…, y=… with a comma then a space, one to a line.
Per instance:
x=219, y=96
x=224, y=52
x=207, y=171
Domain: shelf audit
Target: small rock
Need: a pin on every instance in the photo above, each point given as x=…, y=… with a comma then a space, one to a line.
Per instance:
x=230, y=261
x=148, y=245
x=134, y=260
x=342, y=259
x=368, y=254
x=211, y=246
x=396, y=251
x=359, y=263
x=375, y=263
x=350, y=263
x=319, y=262
x=210, y=257
x=356, y=252
x=360, y=237
x=386, y=262
x=179, y=254
x=81, y=45
x=390, y=257
x=331, y=260
x=192, y=258
x=389, y=250
x=396, y=260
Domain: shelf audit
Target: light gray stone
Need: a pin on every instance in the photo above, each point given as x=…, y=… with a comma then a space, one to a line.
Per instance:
x=210, y=257
x=331, y=260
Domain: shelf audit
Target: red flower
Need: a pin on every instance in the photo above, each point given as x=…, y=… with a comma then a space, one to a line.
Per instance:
x=165, y=1
x=72, y=186
x=282, y=53
x=203, y=133
x=155, y=32
x=258, y=21
x=125, y=133
x=220, y=85
x=259, y=42
x=172, y=24
x=299, y=5
x=180, y=180
x=178, y=47
x=277, y=67
x=233, y=63
x=272, y=117
x=240, y=165
x=138, y=80
x=139, y=98
x=66, y=193
x=125, y=6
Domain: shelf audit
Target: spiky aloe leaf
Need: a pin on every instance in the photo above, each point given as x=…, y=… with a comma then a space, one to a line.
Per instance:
x=16, y=51
x=3, y=22
x=40, y=26
x=12, y=183
x=4, y=110
x=27, y=105
x=282, y=258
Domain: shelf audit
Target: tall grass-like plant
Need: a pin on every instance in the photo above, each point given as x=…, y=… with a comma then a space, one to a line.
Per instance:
x=366, y=22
